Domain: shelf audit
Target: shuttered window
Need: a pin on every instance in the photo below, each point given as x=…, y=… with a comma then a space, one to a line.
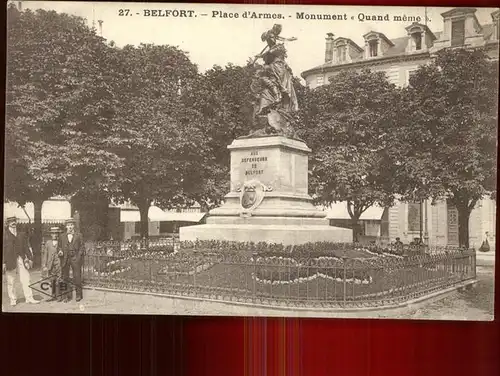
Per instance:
x=393, y=75
x=417, y=40
x=409, y=74
x=414, y=217
x=373, y=48
x=457, y=33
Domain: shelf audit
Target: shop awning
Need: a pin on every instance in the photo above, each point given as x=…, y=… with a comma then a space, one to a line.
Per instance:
x=338, y=210
x=53, y=211
x=156, y=214
x=181, y=217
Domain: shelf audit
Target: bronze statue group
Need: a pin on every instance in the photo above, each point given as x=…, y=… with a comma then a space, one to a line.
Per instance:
x=276, y=100
x=62, y=253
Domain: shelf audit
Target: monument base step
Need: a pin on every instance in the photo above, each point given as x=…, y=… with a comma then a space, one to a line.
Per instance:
x=281, y=234
x=264, y=221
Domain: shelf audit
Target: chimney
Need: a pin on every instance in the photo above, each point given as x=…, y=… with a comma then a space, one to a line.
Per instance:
x=100, y=27
x=329, y=48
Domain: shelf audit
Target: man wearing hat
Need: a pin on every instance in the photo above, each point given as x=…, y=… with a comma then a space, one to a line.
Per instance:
x=17, y=259
x=51, y=262
x=72, y=249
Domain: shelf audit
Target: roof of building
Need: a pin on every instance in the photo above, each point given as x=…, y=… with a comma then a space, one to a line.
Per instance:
x=488, y=31
x=380, y=35
x=399, y=45
x=459, y=10
x=422, y=26
x=350, y=41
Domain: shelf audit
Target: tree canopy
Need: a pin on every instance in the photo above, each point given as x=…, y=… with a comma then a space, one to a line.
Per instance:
x=347, y=123
x=449, y=127
x=60, y=106
x=85, y=118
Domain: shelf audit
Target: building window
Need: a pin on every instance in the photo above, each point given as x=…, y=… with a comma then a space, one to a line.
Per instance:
x=414, y=217
x=373, y=48
x=179, y=87
x=341, y=54
x=457, y=33
x=417, y=41
x=410, y=73
x=319, y=80
x=393, y=75
x=452, y=225
x=137, y=227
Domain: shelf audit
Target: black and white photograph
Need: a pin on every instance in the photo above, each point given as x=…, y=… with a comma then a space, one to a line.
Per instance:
x=250, y=160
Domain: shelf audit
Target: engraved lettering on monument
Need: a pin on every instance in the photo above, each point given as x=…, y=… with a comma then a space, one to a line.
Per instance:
x=254, y=163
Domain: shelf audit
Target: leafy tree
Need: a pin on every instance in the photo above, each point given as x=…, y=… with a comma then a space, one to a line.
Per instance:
x=59, y=108
x=223, y=97
x=347, y=125
x=450, y=129
x=161, y=141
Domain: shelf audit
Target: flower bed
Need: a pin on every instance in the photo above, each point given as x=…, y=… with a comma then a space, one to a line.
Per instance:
x=326, y=272
x=265, y=249
x=285, y=275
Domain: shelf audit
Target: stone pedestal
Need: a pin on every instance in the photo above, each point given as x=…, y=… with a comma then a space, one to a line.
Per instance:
x=268, y=200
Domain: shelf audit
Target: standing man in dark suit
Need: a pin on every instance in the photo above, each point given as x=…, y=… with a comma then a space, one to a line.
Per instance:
x=17, y=259
x=72, y=248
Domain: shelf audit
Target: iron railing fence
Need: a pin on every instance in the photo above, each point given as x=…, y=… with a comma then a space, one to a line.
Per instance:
x=347, y=276
x=133, y=245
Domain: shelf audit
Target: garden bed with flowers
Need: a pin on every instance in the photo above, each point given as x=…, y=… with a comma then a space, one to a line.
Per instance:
x=106, y=259
x=323, y=272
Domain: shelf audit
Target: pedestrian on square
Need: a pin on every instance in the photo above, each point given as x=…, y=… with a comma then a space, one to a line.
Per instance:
x=17, y=259
x=72, y=249
x=51, y=263
x=398, y=242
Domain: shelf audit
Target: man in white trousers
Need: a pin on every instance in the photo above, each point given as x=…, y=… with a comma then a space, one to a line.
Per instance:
x=17, y=259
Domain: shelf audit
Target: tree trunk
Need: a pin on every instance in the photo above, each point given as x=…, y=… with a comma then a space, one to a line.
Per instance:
x=143, y=210
x=93, y=215
x=355, y=211
x=463, y=225
x=37, y=237
x=356, y=229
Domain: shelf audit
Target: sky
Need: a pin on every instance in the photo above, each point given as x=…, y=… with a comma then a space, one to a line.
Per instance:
x=212, y=40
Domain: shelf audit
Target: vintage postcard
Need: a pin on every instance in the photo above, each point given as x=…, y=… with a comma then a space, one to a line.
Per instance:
x=250, y=160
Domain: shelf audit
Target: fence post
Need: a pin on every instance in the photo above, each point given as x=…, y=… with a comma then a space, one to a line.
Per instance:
x=473, y=259
x=195, y=271
x=98, y=263
x=344, y=259
x=254, y=279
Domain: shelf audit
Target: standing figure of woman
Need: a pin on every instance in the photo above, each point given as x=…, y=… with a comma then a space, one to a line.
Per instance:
x=275, y=80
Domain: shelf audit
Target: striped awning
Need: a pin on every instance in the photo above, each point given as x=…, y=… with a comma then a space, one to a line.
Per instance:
x=338, y=210
x=156, y=214
x=53, y=211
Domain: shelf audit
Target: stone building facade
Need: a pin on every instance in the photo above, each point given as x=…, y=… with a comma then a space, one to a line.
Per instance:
x=399, y=58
